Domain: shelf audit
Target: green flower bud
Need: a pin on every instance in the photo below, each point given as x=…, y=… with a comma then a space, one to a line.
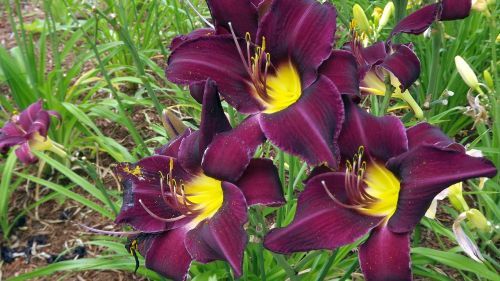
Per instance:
x=466, y=73
x=360, y=18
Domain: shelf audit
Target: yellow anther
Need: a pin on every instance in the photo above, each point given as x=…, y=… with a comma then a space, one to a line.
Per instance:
x=248, y=37
x=263, y=43
x=136, y=172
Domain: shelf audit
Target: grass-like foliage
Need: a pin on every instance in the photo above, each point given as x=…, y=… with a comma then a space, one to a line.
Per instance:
x=101, y=66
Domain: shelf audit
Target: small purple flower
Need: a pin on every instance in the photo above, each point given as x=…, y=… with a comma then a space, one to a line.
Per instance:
x=274, y=60
x=390, y=178
x=29, y=131
x=186, y=205
x=445, y=10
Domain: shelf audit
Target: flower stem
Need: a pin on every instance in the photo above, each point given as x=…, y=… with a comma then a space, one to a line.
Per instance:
x=400, y=9
x=389, y=89
x=260, y=258
x=326, y=267
x=435, y=66
x=292, y=274
x=408, y=98
x=350, y=270
x=58, y=149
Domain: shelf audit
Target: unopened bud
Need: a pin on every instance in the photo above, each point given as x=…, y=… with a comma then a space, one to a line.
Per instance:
x=466, y=73
x=456, y=197
x=173, y=125
x=477, y=220
x=360, y=18
x=479, y=5
x=488, y=79
x=377, y=13
x=386, y=15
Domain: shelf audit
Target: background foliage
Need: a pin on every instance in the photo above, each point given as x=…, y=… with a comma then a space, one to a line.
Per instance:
x=101, y=65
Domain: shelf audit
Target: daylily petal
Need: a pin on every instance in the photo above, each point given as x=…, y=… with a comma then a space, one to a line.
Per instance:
x=6, y=142
x=213, y=118
x=196, y=90
x=167, y=254
x=374, y=54
x=261, y=184
x=385, y=256
x=24, y=154
x=29, y=115
x=381, y=137
x=230, y=152
x=172, y=148
x=40, y=124
x=213, y=121
x=404, y=64
x=197, y=33
x=301, y=30
x=424, y=172
x=341, y=68
x=141, y=182
x=222, y=237
x=319, y=222
x=190, y=63
x=310, y=127
x=11, y=129
x=419, y=21
x=242, y=16
x=425, y=133
x=455, y=9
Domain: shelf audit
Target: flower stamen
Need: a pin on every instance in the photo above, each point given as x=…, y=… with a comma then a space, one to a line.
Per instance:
x=158, y=217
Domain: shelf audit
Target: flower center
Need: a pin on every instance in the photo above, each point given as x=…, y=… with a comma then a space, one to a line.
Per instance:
x=283, y=88
x=203, y=196
x=275, y=87
x=384, y=186
x=200, y=198
x=371, y=188
x=40, y=143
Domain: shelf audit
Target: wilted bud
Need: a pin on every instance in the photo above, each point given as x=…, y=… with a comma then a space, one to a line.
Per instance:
x=466, y=72
x=479, y=5
x=360, y=18
x=478, y=221
x=377, y=13
x=173, y=125
x=386, y=15
x=431, y=212
x=456, y=197
x=488, y=79
x=464, y=241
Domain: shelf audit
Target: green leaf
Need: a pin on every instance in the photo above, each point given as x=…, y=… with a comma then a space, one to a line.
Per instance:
x=457, y=261
x=70, y=194
x=83, y=183
x=8, y=169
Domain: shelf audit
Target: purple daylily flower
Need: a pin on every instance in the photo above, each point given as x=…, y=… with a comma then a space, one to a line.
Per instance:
x=29, y=131
x=188, y=207
x=391, y=177
x=445, y=10
x=274, y=60
x=400, y=60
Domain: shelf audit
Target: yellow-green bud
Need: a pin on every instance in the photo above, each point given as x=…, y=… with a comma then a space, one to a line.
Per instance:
x=377, y=13
x=360, y=18
x=386, y=15
x=456, y=197
x=477, y=220
x=479, y=5
x=173, y=125
x=466, y=73
x=488, y=79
